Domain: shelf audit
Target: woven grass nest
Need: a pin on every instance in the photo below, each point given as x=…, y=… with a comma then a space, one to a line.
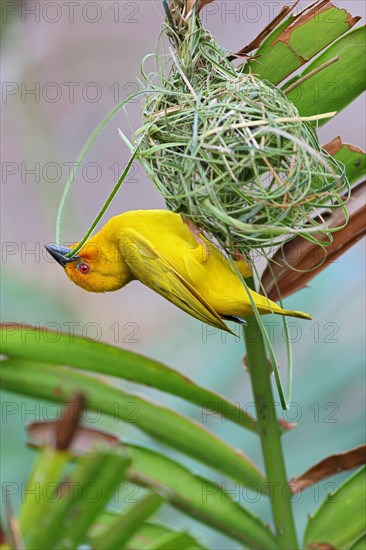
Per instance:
x=229, y=151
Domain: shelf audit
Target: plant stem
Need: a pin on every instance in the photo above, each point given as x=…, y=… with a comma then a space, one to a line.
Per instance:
x=270, y=435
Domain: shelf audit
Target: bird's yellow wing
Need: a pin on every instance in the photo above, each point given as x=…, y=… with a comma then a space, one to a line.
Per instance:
x=154, y=270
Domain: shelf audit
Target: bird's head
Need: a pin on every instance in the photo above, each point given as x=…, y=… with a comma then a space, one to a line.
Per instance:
x=97, y=267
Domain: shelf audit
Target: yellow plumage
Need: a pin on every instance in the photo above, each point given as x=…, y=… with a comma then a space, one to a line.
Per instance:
x=157, y=248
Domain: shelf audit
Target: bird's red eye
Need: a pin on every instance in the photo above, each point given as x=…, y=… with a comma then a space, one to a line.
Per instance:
x=83, y=268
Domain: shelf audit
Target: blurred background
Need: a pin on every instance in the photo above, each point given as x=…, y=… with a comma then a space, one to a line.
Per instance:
x=64, y=66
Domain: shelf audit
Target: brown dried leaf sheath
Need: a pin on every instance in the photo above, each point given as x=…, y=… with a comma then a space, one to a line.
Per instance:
x=66, y=426
x=84, y=439
x=202, y=3
x=331, y=465
x=2, y=535
x=300, y=254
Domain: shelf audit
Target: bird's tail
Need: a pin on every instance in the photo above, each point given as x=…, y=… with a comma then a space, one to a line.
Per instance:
x=299, y=314
x=267, y=306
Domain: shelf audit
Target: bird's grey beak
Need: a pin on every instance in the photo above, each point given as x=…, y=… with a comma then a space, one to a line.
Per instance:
x=59, y=253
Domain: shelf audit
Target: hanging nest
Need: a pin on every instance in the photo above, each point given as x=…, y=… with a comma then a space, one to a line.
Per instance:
x=229, y=151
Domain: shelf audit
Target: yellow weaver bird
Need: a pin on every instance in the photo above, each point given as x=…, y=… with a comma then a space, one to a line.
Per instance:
x=157, y=248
